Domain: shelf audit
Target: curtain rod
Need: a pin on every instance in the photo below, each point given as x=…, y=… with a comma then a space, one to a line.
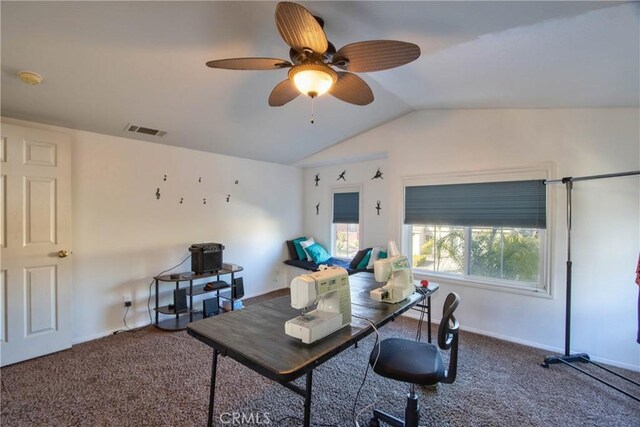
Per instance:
x=585, y=178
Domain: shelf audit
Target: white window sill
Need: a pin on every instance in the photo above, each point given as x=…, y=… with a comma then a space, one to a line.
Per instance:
x=476, y=284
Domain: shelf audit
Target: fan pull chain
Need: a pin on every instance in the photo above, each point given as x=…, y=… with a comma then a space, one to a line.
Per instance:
x=313, y=117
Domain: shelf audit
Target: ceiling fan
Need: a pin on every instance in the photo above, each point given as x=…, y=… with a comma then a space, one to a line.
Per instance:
x=313, y=58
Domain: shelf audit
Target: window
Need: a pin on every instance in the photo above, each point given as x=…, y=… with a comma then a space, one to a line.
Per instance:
x=488, y=233
x=345, y=229
x=346, y=240
x=511, y=254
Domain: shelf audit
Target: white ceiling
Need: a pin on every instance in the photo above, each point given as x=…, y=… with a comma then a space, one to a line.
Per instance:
x=107, y=64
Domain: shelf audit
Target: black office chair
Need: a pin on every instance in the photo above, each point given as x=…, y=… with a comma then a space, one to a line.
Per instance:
x=417, y=362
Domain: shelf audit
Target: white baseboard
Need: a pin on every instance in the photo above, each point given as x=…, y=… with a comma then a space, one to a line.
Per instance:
x=99, y=335
x=552, y=349
x=106, y=333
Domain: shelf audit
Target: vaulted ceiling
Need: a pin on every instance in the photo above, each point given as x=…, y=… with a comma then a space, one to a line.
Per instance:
x=109, y=64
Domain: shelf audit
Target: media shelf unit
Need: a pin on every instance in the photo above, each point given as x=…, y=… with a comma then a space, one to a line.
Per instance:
x=179, y=320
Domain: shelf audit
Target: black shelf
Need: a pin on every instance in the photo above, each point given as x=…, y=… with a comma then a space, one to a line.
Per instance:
x=166, y=310
x=179, y=324
x=180, y=320
x=189, y=275
x=217, y=286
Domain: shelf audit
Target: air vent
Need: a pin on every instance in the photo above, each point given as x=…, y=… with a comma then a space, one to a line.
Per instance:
x=145, y=131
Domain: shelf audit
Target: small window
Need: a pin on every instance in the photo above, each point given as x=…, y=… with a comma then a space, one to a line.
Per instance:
x=490, y=233
x=346, y=239
x=345, y=228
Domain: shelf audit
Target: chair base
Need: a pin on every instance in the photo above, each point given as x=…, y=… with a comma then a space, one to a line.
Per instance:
x=411, y=415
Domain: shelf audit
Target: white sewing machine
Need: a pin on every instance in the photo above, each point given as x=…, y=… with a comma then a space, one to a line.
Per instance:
x=396, y=271
x=330, y=289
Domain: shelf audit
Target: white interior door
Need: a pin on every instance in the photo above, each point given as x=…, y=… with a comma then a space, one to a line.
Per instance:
x=35, y=224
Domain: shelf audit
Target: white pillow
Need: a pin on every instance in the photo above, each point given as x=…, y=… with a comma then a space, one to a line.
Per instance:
x=305, y=245
x=375, y=253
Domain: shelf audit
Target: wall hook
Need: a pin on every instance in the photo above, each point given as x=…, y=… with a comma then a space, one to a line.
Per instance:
x=228, y=197
x=158, y=193
x=237, y=181
x=204, y=201
x=318, y=209
x=199, y=179
x=317, y=179
x=165, y=178
x=378, y=206
x=181, y=199
x=378, y=175
x=341, y=176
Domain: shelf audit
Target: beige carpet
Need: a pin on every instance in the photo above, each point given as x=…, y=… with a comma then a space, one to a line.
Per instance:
x=159, y=378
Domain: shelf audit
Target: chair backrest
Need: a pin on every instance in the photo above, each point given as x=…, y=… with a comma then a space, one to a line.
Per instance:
x=238, y=288
x=448, y=334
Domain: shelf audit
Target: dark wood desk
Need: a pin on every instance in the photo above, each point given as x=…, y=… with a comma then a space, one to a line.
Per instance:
x=255, y=337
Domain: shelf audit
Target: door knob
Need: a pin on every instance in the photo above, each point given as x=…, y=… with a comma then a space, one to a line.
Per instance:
x=63, y=254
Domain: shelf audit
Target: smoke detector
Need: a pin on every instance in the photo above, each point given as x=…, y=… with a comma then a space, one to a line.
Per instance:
x=30, y=78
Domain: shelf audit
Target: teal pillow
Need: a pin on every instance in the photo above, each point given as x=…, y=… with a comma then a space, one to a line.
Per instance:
x=382, y=255
x=317, y=253
x=299, y=250
x=359, y=257
x=363, y=264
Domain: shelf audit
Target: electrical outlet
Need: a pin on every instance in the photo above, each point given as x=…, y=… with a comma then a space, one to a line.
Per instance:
x=127, y=300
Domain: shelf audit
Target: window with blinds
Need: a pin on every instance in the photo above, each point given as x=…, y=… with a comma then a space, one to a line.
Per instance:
x=492, y=233
x=494, y=204
x=346, y=208
x=345, y=228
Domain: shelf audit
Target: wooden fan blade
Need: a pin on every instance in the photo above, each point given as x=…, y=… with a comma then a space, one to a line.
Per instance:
x=299, y=28
x=284, y=92
x=249, y=63
x=375, y=55
x=352, y=89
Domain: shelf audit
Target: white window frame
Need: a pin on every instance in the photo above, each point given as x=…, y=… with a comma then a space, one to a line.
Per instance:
x=346, y=189
x=543, y=171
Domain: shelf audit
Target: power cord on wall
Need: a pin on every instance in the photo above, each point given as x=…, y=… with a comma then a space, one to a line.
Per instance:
x=127, y=328
x=124, y=319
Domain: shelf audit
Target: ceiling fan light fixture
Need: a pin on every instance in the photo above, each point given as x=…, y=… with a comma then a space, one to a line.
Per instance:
x=313, y=58
x=313, y=79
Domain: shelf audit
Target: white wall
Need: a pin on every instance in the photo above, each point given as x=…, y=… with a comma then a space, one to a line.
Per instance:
x=357, y=175
x=123, y=235
x=606, y=227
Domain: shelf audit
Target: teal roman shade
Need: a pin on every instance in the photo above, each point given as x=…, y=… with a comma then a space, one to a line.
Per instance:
x=493, y=204
x=346, y=208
